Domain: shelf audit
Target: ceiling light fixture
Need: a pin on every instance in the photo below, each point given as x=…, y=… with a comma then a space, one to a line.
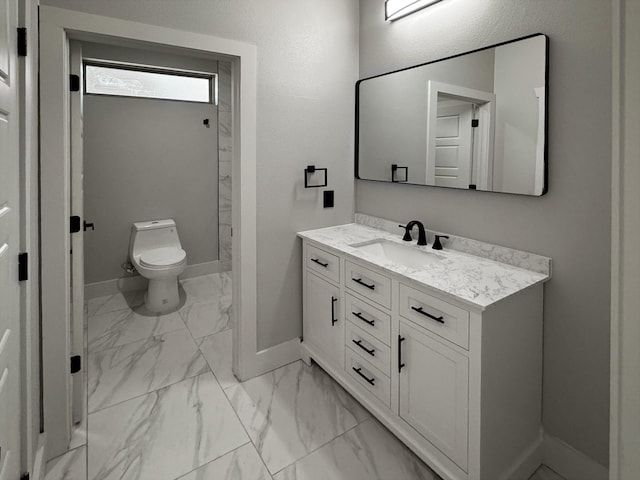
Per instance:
x=395, y=9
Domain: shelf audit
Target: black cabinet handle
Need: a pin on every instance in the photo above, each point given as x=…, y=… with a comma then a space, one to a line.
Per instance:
x=333, y=315
x=325, y=265
x=400, y=364
x=359, y=315
x=359, y=280
x=422, y=312
x=371, y=352
x=371, y=381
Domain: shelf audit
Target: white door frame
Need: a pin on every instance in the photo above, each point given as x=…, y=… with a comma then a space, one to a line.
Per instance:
x=56, y=27
x=483, y=165
x=624, y=462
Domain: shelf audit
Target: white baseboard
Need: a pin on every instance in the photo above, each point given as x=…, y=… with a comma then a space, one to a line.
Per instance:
x=569, y=462
x=39, y=468
x=528, y=462
x=275, y=357
x=136, y=282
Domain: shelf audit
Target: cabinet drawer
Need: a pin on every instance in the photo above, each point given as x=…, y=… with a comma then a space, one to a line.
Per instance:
x=437, y=316
x=369, y=377
x=325, y=263
x=369, y=347
x=369, y=284
x=369, y=318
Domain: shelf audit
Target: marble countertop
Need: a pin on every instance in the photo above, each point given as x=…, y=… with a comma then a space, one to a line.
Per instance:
x=475, y=281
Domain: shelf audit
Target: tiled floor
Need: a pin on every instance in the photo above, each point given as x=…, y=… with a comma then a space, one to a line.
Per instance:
x=164, y=405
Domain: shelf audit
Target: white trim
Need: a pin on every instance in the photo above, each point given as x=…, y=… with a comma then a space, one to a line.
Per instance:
x=529, y=461
x=56, y=24
x=624, y=441
x=54, y=232
x=273, y=357
x=569, y=462
x=137, y=282
x=40, y=459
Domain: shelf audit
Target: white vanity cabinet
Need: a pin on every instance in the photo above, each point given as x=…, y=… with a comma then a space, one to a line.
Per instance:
x=325, y=326
x=434, y=391
x=459, y=385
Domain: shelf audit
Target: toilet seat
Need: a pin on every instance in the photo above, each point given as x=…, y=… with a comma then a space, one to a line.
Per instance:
x=163, y=257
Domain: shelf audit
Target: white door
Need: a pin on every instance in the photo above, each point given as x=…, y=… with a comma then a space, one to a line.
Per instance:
x=77, y=244
x=9, y=240
x=454, y=149
x=323, y=322
x=434, y=392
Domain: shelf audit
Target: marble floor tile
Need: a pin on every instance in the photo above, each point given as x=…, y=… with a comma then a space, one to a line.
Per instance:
x=545, y=473
x=292, y=411
x=70, y=466
x=207, y=318
x=201, y=289
x=367, y=452
x=165, y=434
x=241, y=464
x=125, y=326
x=225, y=279
x=217, y=350
x=113, y=303
x=120, y=373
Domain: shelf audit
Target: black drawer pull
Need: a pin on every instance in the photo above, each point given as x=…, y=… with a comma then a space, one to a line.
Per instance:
x=317, y=260
x=371, y=352
x=400, y=364
x=437, y=319
x=359, y=280
x=371, y=381
x=359, y=315
x=333, y=315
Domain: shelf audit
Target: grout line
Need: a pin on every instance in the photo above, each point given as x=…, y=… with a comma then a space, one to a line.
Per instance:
x=214, y=460
x=320, y=446
x=153, y=391
x=246, y=431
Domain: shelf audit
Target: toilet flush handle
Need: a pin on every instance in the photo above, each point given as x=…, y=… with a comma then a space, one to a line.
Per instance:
x=88, y=226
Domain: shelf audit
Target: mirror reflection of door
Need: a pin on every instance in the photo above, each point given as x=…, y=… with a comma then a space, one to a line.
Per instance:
x=454, y=143
x=460, y=136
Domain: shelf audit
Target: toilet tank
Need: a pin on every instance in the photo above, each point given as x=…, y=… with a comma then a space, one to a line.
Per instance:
x=153, y=234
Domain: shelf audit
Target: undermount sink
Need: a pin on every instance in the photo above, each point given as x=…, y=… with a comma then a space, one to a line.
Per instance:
x=397, y=253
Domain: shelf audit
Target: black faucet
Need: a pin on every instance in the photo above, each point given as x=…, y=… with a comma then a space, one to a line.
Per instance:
x=422, y=236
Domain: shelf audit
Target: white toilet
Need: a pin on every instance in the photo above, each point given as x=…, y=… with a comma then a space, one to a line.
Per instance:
x=156, y=253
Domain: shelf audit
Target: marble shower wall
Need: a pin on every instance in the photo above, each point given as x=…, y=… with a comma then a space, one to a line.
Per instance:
x=225, y=155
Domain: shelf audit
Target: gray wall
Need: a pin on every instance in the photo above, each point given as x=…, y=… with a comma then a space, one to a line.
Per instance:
x=148, y=159
x=571, y=223
x=307, y=67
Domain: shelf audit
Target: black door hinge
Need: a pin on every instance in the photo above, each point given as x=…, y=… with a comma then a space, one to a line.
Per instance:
x=475, y=123
x=76, y=363
x=23, y=267
x=74, y=83
x=74, y=224
x=22, y=42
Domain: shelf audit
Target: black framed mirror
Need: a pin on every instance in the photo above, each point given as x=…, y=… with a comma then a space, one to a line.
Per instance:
x=475, y=121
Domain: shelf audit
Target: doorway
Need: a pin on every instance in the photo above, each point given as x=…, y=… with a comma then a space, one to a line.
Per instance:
x=151, y=139
x=57, y=28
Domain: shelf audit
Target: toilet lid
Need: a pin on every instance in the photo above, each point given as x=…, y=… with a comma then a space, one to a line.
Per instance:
x=163, y=257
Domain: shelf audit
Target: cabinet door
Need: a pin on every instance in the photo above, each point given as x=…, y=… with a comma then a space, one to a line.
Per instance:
x=323, y=321
x=434, y=392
